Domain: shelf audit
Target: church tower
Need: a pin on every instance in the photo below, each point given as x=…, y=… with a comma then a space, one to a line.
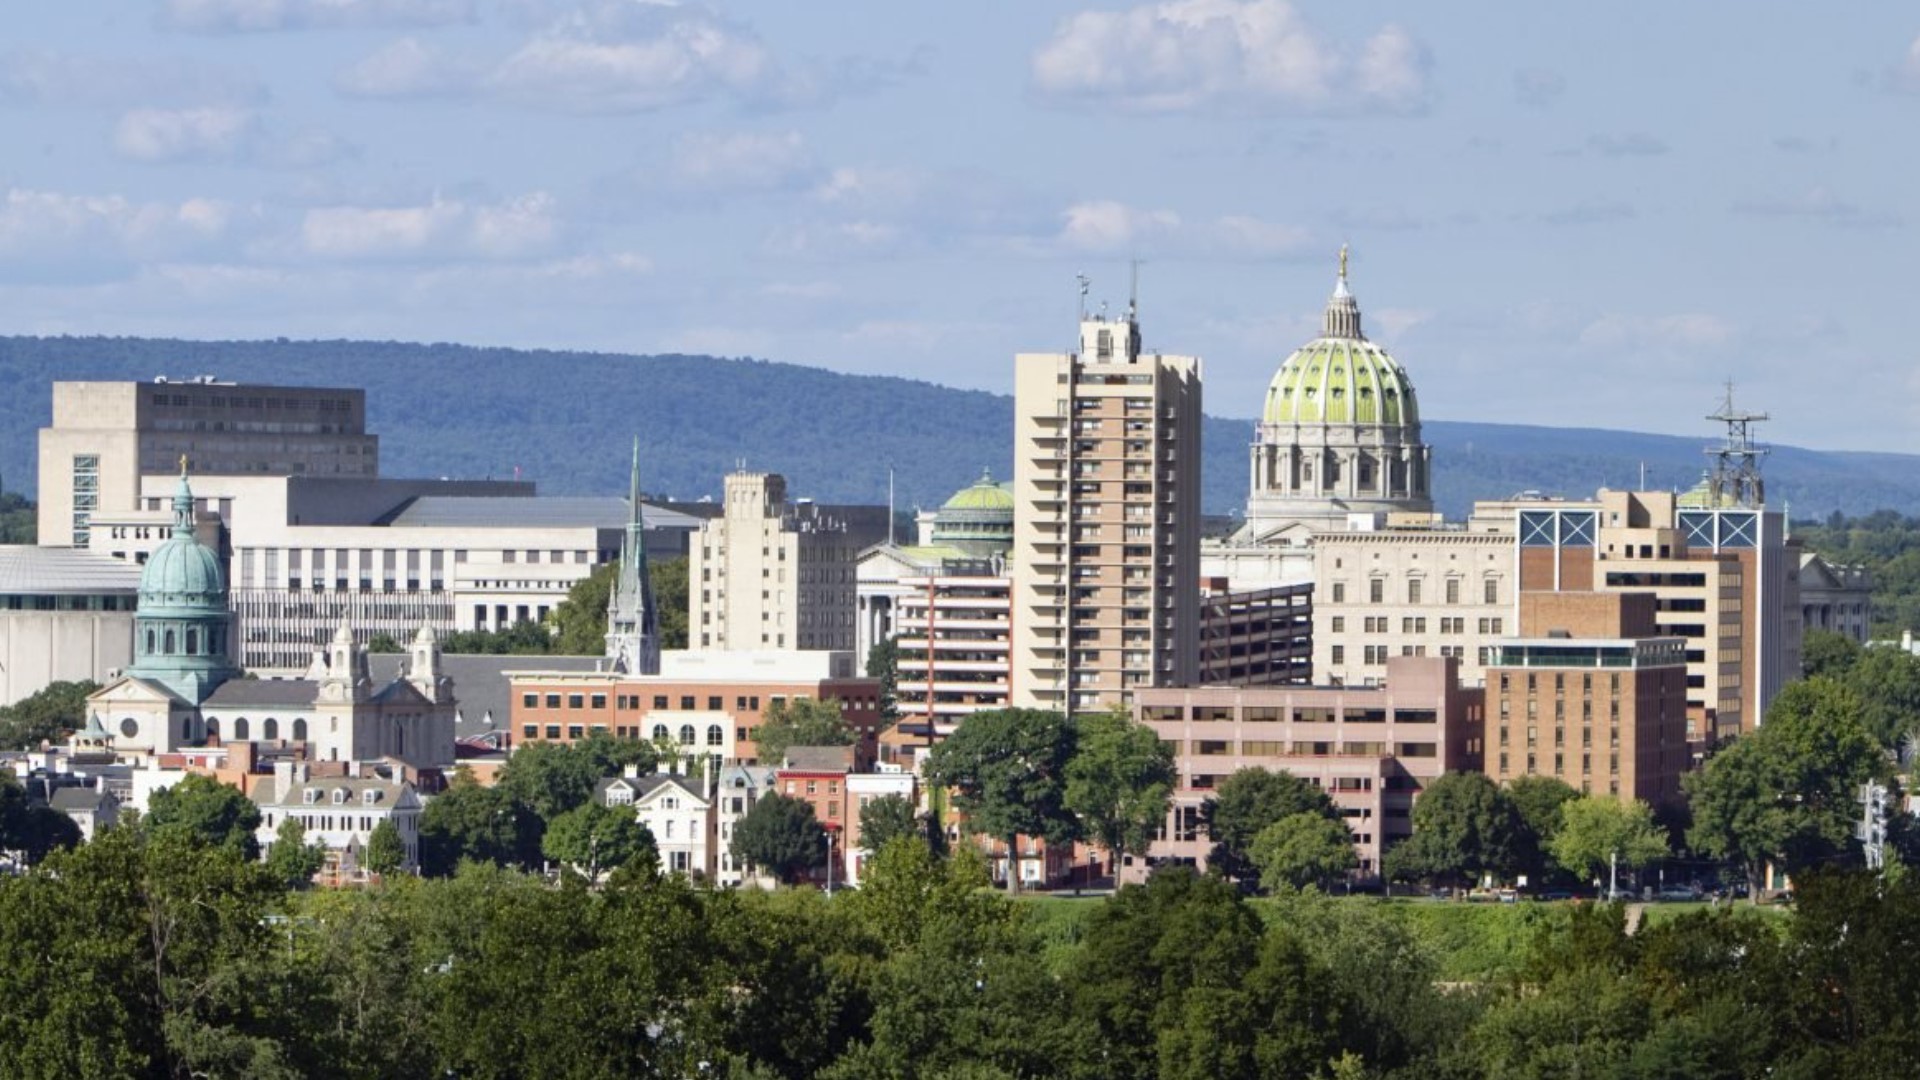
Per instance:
x=182, y=630
x=633, y=630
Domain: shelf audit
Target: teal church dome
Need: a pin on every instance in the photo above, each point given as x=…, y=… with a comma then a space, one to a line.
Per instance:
x=182, y=628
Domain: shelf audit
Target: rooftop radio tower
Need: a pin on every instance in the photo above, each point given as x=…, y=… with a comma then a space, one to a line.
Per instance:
x=1735, y=479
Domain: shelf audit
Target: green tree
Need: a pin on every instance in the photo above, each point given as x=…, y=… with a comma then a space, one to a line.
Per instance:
x=1007, y=769
x=1828, y=653
x=553, y=777
x=19, y=521
x=781, y=836
x=30, y=827
x=386, y=852
x=1118, y=783
x=595, y=837
x=1887, y=682
x=1785, y=791
x=669, y=577
x=579, y=622
x=1463, y=828
x=800, y=722
x=1597, y=829
x=49, y=715
x=384, y=642
x=1249, y=801
x=290, y=859
x=883, y=663
x=887, y=818
x=1537, y=800
x=203, y=807
x=485, y=824
x=524, y=638
x=1301, y=850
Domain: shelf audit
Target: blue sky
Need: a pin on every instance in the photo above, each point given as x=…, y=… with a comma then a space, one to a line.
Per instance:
x=1582, y=215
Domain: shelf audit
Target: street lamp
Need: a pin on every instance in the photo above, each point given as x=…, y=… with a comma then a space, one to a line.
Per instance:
x=827, y=835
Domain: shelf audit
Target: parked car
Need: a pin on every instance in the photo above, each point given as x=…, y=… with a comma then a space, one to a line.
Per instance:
x=1678, y=893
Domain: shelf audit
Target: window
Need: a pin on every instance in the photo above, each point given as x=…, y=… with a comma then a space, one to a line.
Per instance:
x=1339, y=654
x=578, y=701
x=714, y=703
x=659, y=701
x=1377, y=590
x=553, y=701
x=716, y=735
x=528, y=701
x=1490, y=589
x=686, y=734
x=659, y=733
x=1413, y=591
x=686, y=701
x=1339, y=592
x=1339, y=624
x=599, y=701
x=1453, y=590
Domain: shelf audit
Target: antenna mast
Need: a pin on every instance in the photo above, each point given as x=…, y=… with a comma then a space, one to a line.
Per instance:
x=1735, y=478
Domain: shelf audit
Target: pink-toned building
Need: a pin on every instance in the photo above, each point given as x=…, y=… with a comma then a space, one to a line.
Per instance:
x=1372, y=748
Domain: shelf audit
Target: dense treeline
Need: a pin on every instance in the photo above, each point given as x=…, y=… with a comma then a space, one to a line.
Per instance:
x=452, y=410
x=151, y=952
x=1888, y=545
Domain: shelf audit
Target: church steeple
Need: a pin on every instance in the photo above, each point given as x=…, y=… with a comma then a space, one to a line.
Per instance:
x=1343, y=311
x=633, y=632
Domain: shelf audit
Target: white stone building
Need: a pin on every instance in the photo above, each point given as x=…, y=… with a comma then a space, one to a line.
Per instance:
x=339, y=812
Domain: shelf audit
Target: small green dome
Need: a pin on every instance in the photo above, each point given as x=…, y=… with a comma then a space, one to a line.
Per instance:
x=982, y=495
x=182, y=574
x=1341, y=380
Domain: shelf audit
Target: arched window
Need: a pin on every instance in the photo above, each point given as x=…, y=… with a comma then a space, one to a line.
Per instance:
x=240, y=729
x=149, y=641
x=169, y=643
x=270, y=729
x=659, y=733
x=213, y=728
x=193, y=642
x=715, y=736
x=686, y=734
x=300, y=729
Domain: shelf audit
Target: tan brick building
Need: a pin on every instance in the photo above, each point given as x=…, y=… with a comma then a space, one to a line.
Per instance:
x=1106, y=520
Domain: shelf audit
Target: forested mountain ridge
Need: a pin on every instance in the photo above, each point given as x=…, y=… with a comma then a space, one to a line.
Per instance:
x=564, y=419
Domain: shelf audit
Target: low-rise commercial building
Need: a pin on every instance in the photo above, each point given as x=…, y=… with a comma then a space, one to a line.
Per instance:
x=1372, y=749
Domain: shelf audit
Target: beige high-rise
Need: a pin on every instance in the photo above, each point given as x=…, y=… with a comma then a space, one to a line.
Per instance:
x=1106, y=520
x=770, y=574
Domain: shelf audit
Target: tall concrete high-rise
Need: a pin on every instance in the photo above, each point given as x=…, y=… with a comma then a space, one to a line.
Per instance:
x=105, y=436
x=1106, y=520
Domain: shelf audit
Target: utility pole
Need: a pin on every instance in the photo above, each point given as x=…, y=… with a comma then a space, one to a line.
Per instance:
x=1613, y=876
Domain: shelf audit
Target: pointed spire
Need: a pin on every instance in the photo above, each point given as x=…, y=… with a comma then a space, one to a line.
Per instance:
x=633, y=636
x=1343, y=311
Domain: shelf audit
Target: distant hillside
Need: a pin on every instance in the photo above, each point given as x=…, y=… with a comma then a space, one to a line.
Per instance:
x=564, y=419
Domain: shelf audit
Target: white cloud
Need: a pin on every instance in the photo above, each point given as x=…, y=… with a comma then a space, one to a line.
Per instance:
x=1243, y=55
x=48, y=79
x=572, y=69
x=1694, y=330
x=253, y=16
x=1904, y=77
x=183, y=134
x=1821, y=205
x=742, y=161
x=442, y=228
x=48, y=227
x=1108, y=227
x=406, y=68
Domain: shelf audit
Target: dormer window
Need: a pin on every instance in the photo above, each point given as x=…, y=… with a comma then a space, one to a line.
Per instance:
x=370, y=796
x=309, y=797
x=340, y=797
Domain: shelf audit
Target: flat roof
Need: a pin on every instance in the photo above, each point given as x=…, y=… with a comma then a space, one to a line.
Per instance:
x=31, y=570
x=557, y=511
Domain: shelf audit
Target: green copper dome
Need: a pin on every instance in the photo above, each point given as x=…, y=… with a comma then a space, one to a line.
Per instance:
x=1341, y=381
x=982, y=494
x=183, y=575
x=977, y=520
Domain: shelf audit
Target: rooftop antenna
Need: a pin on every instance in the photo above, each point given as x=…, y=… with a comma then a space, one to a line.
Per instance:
x=1085, y=284
x=1133, y=291
x=1735, y=479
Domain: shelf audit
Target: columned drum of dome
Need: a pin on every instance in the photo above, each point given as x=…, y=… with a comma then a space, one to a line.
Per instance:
x=182, y=629
x=1339, y=434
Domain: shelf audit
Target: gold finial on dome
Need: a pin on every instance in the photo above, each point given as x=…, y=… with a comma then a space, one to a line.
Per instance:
x=183, y=465
x=1343, y=262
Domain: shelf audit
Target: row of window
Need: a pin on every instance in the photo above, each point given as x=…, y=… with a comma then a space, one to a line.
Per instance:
x=716, y=735
x=1377, y=590
x=715, y=702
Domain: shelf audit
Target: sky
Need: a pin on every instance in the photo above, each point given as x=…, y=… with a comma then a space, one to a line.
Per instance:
x=1574, y=215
